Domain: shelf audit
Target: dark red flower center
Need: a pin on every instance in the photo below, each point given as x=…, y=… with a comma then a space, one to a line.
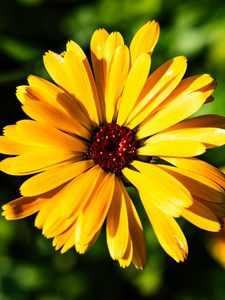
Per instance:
x=113, y=147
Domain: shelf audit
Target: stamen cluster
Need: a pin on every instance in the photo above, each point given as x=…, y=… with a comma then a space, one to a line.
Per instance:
x=113, y=147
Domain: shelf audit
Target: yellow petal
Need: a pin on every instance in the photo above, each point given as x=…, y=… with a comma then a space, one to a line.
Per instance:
x=96, y=209
x=144, y=40
x=53, y=178
x=43, y=90
x=133, y=86
x=22, y=207
x=103, y=48
x=98, y=41
x=116, y=77
x=197, y=184
x=73, y=46
x=79, y=248
x=73, y=196
x=20, y=92
x=136, y=233
x=11, y=147
x=46, y=210
x=46, y=113
x=158, y=86
x=42, y=135
x=78, y=52
x=117, y=229
x=167, y=231
x=200, y=167
x=203, y=83
x=67, y=203
x=34, y=161
x=52, y=223
x=126, y=260
x=177, y=110
x=114, y=40
x=54, y=64
x=60, y=226
x=201, y=216
x=214, y=121
x=82, y=84
x=66, y=240
x=179, y=148
x=82, y=248
x=160, y=188
x=211, y=137
x=48, y=92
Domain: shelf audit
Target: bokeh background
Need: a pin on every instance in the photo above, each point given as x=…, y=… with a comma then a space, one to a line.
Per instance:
x=30, y=269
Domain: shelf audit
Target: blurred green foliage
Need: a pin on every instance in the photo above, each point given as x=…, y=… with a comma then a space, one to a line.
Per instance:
x=29, y=266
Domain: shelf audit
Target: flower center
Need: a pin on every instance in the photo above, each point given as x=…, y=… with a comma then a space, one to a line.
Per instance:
x=113, y=147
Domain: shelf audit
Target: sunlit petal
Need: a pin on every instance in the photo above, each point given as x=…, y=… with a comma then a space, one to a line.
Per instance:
x=144, y=40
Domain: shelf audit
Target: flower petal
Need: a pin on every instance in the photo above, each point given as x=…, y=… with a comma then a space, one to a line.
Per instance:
x=82, y=84
x=211, y=137
x=201, y=216
x=59, y=227
x=114, y=40
x=72, y=46
x=116, y=77
x=46, y=210
x=127, y=258
x=54, y=64
x=42, y=135
x=103, y=47
x=45, y=113
x=133, y=86
x=58, y=215
x=77, y=193
x=200, y=167
x=136, y=233
x=45, y=91
x=53, y=178
x=200, y=121
x=217, y=208
x=165, y=191
x=65, y=240
x=179, y=148
x=22, y=207
x=82, y=248
x=178, y=109
x=117, y=228
x=11, y=147
x=144, y=40
x=167, y=231
x=34, y=161
x=95, y=210
x=199, y=83
x=97, y=56
x=198, y=185
x=158, y=86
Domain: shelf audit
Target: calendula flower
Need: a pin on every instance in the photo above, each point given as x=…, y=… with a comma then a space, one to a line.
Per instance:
x=100, y=128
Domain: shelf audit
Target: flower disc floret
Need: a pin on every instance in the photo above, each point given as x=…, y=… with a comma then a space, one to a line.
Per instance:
x=113, y=147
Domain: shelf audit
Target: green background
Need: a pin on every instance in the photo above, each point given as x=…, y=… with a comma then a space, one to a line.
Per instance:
x=29, y=266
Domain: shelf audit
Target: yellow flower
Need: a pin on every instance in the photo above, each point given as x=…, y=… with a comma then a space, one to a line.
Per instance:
x=92, y=133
